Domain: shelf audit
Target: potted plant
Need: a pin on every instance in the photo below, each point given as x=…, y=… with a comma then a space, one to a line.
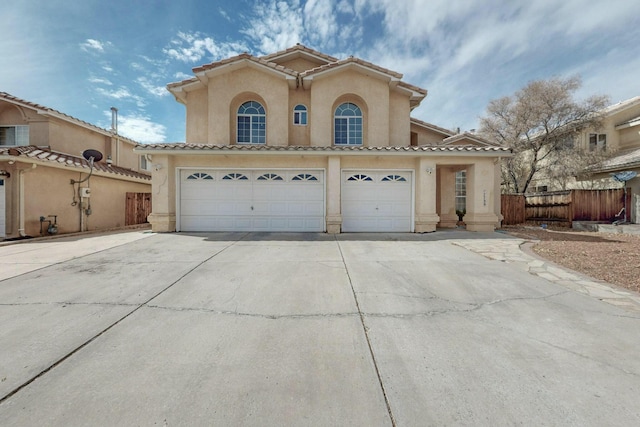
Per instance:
x=461, y=214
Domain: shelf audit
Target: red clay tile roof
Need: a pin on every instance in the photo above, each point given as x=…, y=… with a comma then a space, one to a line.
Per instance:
x=302, y=48
x=351, y=60
x=32, y=152
x=15, y=100
x=265, y=61
x=296, y=149
x=247, y=57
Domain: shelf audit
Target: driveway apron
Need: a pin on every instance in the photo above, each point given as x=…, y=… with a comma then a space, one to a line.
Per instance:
x=307, y=329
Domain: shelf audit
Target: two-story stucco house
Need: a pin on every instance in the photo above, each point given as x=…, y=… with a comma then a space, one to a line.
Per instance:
x=301, y=141
x=43, y=172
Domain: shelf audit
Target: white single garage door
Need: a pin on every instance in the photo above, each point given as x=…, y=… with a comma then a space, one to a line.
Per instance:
x=377, y=201
x=251, y=200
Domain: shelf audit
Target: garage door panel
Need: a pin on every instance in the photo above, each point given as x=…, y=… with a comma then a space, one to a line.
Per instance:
x=261, y=202
x=377, y=201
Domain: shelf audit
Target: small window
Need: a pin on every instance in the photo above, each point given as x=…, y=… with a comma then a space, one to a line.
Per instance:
x=270, y=177
x=394, y=178
x=360, y=177
x=597, y=141
x=199, y=176
x=304, y=177
x=235, y=177
x=144, y=163
x=461, y=191
x=14, y=135
x=300, y=115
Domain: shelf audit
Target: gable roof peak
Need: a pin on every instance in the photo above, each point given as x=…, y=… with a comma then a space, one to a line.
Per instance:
x=299, y=50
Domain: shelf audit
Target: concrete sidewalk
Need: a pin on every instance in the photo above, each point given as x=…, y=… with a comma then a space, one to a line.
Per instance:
x=309, y=329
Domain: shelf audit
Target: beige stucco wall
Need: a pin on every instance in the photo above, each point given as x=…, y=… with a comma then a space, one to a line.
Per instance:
x=300, y=64
x=298, y=134
x=370, y=94
x=228, y=91
x=198, y=116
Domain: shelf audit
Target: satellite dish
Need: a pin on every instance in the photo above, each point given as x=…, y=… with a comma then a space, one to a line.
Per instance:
x=92, y=154
x=624, y=176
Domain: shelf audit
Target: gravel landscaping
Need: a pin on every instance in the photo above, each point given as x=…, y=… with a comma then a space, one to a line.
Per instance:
x=613, y=258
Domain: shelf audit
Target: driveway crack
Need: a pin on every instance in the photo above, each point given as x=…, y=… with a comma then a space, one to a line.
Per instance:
x=108, y=328
x=365, y=329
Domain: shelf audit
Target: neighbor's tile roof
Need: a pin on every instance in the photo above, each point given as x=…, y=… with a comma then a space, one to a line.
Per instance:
x=272, y=148
x=431, y=126
x=614, y=108
x=14, y=99
x=45, y=155
x=624, y=160
x=630, y=121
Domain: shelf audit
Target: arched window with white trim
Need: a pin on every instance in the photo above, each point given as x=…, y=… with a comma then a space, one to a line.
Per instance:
x=252, y=123
x=348, y=125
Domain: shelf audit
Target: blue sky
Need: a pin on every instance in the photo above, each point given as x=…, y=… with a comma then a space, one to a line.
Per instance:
x=83, y=57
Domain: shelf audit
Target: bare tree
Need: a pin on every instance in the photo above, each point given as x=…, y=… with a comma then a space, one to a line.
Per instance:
x=537, y=123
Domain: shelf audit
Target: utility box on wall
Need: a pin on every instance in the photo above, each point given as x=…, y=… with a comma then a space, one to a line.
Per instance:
x=85, y=192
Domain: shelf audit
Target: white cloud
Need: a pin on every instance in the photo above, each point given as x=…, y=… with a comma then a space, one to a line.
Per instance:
x=123, y=94
x=182, y=76
x=275, y=25
x=151, y=88
x=92, y=45
x=192, y=47
x=140, y=128
x=101, y=81
x=320, y=22
x=224, y=14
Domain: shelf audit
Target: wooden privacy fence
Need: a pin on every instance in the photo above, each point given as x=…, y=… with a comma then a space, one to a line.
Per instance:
x=137, y=208
x=563, y=207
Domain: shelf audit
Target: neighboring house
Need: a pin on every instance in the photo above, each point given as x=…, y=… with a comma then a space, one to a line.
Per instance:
x=43, y=172
x=620, y=133
x=300, y=141
x=616, y=139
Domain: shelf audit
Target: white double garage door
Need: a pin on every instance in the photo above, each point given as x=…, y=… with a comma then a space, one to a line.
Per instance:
x=292, y=200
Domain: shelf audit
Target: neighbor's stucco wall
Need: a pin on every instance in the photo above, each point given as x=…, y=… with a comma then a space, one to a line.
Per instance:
x=629, y=138
x=426, y=136
x=48, y=192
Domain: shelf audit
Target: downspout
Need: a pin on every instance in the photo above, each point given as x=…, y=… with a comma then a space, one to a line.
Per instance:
x=21, y=199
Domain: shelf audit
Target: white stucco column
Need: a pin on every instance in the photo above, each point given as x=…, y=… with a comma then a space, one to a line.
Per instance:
x=481, y=215
x=447, y=178
x=334, y=217
x=426, y=215
x=163, y=194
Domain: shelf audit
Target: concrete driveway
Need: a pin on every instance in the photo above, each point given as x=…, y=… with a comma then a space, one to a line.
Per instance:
x=303, y=329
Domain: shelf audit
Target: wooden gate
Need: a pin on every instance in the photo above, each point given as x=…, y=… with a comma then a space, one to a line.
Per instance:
x=137, y=208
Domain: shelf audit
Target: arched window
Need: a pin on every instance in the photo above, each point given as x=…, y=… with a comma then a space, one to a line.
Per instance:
x=348, y=125
x=252, y=123
x=300, y=115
